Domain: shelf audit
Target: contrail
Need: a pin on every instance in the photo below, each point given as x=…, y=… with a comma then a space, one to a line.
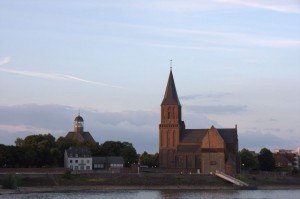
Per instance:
x=5, y=60
x=52, y=76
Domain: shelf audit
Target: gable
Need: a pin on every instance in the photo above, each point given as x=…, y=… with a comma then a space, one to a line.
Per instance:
x=213, y=139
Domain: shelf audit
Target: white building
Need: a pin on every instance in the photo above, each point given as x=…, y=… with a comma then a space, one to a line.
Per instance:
x=78, y=159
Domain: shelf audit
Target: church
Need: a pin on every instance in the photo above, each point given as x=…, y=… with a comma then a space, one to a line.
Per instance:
x=193, y=150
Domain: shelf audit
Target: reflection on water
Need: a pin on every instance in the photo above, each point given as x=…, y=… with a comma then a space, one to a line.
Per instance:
x=163, y=194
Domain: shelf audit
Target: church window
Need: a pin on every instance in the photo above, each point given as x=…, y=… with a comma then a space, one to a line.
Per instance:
x=189, y=162
x=179, y=162
x=173, y=115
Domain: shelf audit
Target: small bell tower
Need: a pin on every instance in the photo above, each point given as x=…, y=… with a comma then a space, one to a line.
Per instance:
x=78, y=124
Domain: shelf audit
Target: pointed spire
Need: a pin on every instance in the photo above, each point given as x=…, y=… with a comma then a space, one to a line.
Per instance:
x=171, y=97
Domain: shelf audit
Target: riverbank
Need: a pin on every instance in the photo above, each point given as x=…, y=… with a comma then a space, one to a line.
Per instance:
x=39, y=183
x=66, y=189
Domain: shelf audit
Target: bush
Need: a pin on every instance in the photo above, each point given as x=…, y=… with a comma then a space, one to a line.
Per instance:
x=11, y=181
x=67, y=174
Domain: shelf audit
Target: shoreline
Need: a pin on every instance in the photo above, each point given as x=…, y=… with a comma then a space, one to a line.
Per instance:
x=67, y=189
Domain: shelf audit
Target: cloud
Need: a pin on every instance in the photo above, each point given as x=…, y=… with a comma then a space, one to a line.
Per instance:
x=138, y=127
x=287, y=6
x=256, y=140
x=205, y=96
x=5, y=60
x=198, y=39
x=214, y=109
x=54, y=76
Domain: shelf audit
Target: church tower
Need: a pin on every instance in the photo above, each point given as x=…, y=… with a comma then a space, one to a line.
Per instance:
x=170, y=126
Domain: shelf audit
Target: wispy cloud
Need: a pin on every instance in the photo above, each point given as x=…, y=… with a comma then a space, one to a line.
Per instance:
x=287, y=6
x=54, y=76
x=219, y=109
x=207, y=39
x=4, y=60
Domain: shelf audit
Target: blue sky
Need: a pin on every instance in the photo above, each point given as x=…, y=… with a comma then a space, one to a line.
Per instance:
x=234, y=62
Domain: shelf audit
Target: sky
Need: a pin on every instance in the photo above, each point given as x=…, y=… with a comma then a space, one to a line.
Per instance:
x=234, y=62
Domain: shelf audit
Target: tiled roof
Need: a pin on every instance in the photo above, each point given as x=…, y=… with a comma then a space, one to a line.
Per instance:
x=81, y=136
x=108, y=160
x=78, y=151
x=188, y=148
x=193, y=135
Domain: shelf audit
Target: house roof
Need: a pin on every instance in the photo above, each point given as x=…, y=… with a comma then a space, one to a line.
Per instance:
x=171, y=97
x=80, y=151
x=99, y=160
x=115, y=160
x=108, y=160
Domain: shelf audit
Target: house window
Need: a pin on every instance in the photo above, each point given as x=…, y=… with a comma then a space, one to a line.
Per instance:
x=76, y=155
x=71, y=161
x=88, y=161
x=87, y=167
x=76, y=161
x=82, y=167
x=82, y=161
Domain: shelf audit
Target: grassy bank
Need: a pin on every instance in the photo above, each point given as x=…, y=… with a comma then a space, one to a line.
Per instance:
x=68, y=182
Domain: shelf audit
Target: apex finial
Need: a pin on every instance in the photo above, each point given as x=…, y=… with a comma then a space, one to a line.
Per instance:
x=171, y=65
x=79, y=112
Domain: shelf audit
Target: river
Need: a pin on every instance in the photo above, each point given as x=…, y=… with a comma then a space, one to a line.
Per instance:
x=164, y=194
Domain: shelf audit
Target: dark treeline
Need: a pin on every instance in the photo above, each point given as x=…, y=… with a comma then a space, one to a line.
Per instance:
x=44, y=151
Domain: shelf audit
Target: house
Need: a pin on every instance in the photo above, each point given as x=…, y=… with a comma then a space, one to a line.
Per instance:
x=109, y=162
x=78, y=159
x=199, y=150
x=79, y=134
x=286, y=159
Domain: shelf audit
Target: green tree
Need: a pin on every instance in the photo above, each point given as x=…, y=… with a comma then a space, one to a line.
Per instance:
x=266, y=160
x=19, y=142
x=117, y=148
x=149, y=159
x=63, y=143
x=128, y=153
x=248, y=161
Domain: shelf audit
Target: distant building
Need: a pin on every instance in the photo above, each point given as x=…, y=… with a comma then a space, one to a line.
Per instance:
x=78, y=159
x=286, y=159
x=110, y=162
x=201, y=150
x=79, y=134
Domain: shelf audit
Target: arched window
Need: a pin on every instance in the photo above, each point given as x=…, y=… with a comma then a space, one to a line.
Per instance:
x=169, y=113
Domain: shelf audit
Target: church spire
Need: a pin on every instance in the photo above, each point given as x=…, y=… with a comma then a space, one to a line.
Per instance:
x=171, y=97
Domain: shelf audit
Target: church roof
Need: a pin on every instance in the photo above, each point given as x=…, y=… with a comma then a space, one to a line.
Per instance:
x=78, y=119
x=81, y=136
x=193, y=135
x=196, y=135
x=171, y=97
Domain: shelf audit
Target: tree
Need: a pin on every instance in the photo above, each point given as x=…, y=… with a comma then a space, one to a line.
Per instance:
x=128, y=153
x=149, y=159
x=248, y=161
x=266, y=160
x=19, y=142
x=116, y=148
